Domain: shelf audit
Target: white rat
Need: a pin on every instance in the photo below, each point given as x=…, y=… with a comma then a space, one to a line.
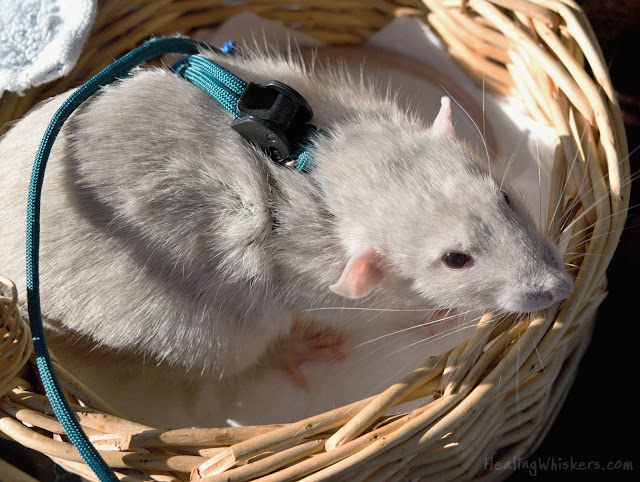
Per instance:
x=167, y=237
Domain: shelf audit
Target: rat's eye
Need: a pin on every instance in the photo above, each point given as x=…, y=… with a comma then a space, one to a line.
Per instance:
x=506, y=198
x=456, y=259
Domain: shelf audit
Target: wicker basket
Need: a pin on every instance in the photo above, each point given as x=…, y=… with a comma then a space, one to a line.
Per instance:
x=492, y=401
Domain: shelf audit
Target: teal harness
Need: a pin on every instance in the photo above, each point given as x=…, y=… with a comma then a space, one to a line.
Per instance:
x=270, y=115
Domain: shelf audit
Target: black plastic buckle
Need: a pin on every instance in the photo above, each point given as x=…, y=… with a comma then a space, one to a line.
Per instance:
x=273, y=117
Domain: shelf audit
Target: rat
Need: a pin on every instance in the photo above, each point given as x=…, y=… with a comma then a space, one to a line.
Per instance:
x=168, y=238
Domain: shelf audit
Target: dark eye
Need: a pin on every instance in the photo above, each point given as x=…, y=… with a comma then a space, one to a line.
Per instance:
x=506, y=198
x=455, y=259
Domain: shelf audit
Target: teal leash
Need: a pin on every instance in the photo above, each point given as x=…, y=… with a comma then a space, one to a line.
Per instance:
x=223, y=86
x=119, y=68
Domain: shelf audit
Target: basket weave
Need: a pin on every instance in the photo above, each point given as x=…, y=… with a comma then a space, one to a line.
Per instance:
x=492, y=399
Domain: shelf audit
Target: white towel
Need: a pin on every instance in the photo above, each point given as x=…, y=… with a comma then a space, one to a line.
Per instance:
x=41, y=40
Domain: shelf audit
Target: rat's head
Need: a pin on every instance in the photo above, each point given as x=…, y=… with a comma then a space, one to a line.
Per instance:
x=423, y=222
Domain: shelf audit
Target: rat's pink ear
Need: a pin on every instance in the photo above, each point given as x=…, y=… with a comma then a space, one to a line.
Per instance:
x=361, y=275
x=442, y=124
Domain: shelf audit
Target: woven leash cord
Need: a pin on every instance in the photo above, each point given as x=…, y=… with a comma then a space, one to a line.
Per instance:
x=119, y=68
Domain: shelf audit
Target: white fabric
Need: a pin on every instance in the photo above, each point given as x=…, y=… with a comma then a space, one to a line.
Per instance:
x=41, y=40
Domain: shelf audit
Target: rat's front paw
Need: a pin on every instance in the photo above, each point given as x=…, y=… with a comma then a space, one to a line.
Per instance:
x=307, y=341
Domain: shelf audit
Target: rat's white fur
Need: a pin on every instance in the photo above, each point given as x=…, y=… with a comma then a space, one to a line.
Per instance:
x=166, y=236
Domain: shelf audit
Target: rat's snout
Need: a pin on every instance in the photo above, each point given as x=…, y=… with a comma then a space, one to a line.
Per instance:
x=563, y=286
x=554, y=287
x=546, y=282
x=557, y=282
x=559, y=290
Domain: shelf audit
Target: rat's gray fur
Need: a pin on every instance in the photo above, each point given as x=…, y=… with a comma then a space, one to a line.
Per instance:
x=167, y=236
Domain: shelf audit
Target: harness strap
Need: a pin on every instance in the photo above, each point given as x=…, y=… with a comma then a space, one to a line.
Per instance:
x=270, y=115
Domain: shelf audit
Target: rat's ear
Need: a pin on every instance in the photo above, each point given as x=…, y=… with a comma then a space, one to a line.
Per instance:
x=361, y=275
x=442, y=124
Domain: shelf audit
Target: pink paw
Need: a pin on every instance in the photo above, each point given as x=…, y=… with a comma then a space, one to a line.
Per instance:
x=307, y=341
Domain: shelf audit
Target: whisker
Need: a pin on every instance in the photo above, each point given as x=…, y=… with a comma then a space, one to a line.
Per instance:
x=627, y=181
x=484, y=123
x=566, y=183
x=362, y=308
x=484, y=142
x=509, y=164
x=539, y=183
x=587, y=238
x=571, y=265
x=603, y=219
x=581, y=215
x=575, y=202
x=439, y=336
x=413, y=327
x=467, y=324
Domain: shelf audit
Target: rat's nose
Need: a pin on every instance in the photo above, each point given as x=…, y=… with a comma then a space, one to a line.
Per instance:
x=546, y=296
x=557, y=287
x=537, y=300
x=561, y=286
